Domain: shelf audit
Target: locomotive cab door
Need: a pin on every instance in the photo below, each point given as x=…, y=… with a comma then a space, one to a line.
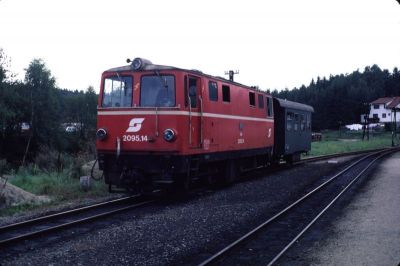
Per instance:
x=194, y=104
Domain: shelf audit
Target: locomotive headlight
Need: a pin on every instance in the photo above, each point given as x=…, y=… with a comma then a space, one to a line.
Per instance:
x=101, y=134
x=139, y=63
x=169, y=135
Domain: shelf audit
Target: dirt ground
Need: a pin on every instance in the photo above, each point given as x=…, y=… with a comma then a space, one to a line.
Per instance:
x=11, y=195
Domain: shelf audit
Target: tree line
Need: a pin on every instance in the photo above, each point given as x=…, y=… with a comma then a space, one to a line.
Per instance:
x=36, y=101
x=342, y=99
x=34, y=114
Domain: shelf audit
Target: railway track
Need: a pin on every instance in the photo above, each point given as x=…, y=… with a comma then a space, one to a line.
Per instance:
x=12, y=234
x=15, y=233
x=324, y=157
x=270, y=240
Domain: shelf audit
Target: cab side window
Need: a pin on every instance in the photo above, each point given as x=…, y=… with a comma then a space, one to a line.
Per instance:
x=213, y=91
x=226, y=93
x=252, y=99
x=190, y=92
x=269, y=107
x=260, y=101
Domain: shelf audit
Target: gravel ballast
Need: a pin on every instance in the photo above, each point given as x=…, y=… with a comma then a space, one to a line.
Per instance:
x=180, y=231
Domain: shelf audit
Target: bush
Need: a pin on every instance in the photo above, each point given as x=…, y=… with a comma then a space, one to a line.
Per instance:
x=75, y=170
x=3, y=166
x=48, y=159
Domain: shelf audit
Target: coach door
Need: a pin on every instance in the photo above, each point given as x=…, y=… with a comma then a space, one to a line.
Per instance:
x=194, y=104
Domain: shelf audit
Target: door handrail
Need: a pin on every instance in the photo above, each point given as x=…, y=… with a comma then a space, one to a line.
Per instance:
x=190, y=120
x=201, y=121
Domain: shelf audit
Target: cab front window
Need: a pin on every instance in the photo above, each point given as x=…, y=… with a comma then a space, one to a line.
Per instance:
x=117, y=92
x=157, y=91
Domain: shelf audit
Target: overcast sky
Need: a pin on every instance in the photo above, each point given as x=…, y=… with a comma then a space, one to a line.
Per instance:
x=274, y=44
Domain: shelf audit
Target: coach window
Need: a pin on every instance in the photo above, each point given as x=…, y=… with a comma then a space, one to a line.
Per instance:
x=260, y=101
x=289, y=120
x=252, y=98
x=308, y=122
x=157, y=91
x=269, y=107
x=296, y=122
x=213, y=91
x=226, y=93
x=302, y=122
x=117, y=92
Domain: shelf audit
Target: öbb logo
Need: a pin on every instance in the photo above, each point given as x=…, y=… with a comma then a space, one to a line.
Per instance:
x=135, y=125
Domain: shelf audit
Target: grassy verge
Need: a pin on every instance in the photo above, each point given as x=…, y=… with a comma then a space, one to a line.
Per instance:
x=60, y=187
x=335, y=142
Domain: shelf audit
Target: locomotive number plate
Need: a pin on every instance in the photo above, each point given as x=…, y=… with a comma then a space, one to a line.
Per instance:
x=134, y=138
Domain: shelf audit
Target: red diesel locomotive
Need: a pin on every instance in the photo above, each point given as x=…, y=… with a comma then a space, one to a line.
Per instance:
x=161, y=125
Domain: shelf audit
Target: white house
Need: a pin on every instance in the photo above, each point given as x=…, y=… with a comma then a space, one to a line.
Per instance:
x=383, y=108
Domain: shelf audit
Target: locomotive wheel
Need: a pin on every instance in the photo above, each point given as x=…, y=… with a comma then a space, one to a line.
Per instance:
x=181, y=185
x=231, y=172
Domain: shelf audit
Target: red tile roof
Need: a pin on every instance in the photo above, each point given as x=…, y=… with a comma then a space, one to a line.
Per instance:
x=382, y=100
x=394, y=103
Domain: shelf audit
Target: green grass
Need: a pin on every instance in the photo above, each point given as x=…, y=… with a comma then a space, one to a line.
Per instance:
x=333, y=142
x=21, y=208
x=60, y=187
x=57, y=186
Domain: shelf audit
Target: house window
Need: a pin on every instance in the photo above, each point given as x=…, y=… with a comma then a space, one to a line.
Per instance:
x=226, y=95
x=375, y=116
x=252, y=98
x=213, y=91
x=260, y=101
x=383, y=115
x=376, y=106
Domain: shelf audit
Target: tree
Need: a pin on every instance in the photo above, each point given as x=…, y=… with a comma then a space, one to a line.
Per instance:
x=44, y=120
x=343, y=97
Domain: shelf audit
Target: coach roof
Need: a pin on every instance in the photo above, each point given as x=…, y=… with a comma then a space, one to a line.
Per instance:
x=294, y=105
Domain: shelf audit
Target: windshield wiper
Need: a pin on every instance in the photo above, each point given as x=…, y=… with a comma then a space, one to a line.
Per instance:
x=163, y=81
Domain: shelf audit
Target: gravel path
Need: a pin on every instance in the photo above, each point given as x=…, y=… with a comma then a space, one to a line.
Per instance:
x=178, y=232
x=368, y=232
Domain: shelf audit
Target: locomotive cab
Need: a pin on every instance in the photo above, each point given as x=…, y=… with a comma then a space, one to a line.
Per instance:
x=142, y=123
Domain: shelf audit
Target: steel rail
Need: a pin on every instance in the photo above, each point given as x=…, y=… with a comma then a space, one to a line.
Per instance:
x=324, y=210
x=69, y=224
x=64, y=213
x=229, y=247
x=334, y=155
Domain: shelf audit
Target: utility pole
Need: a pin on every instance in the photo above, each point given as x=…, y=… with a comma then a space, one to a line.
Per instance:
x=366, y=121
x=394, y=123
x=231, y=74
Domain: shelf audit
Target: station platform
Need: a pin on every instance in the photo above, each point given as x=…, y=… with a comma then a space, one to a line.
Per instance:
x=369, y=231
